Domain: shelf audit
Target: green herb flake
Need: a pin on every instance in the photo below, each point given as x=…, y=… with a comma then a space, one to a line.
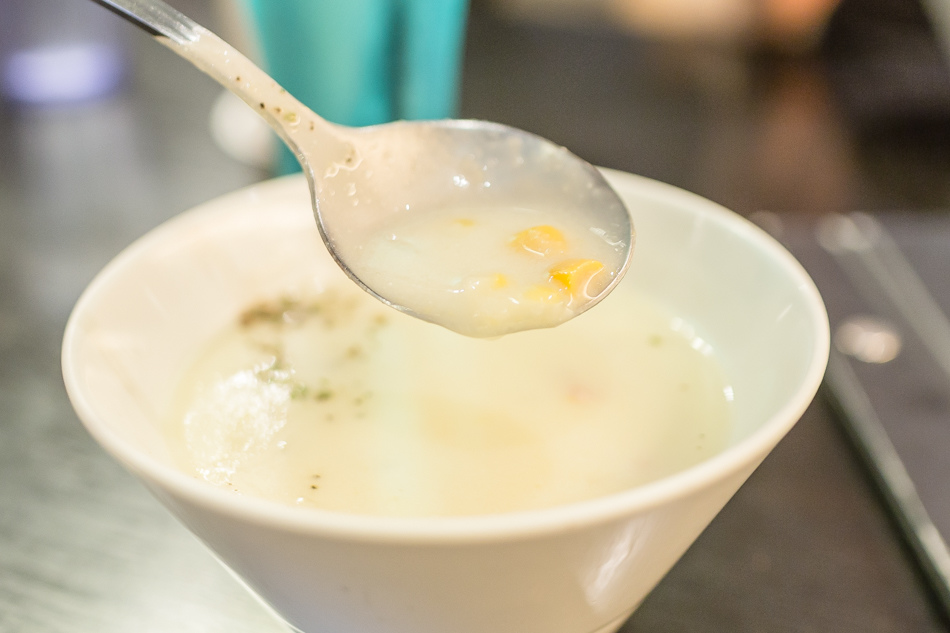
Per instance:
x=299, y=392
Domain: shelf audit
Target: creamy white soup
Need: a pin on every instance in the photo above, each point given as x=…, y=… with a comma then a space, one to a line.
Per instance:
x=334, y=401
x=490, y=271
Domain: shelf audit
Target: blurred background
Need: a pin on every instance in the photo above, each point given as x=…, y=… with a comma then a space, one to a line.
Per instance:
x=782, y=110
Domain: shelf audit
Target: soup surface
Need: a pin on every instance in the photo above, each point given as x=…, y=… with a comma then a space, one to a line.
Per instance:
x=335, y=401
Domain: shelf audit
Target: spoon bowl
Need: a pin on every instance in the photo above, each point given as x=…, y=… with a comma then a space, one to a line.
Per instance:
x=364, y=182
x=459, y=166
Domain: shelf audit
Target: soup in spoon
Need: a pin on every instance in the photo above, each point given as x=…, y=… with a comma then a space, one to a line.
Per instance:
x=490, y=271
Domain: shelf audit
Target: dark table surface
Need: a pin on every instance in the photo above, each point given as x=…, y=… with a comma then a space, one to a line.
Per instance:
x=806, y=544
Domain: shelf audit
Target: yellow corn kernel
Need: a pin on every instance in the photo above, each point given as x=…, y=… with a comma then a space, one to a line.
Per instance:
x=576, y=274
x=499, y=280
x=485, y=283
x=547, y=293
x=540, y=240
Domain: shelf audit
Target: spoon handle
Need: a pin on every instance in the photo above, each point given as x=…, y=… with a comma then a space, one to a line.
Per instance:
x=155, y=18
x=310, y=137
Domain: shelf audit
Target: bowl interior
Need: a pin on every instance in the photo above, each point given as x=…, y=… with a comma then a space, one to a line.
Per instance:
x=141, y=321
x=740, y=292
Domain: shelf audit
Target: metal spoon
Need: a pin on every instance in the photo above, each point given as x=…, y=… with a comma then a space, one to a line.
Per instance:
x=362, y=177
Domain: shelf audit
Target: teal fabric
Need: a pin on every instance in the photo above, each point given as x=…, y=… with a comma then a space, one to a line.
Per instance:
x=362, y=62
x=430, y=58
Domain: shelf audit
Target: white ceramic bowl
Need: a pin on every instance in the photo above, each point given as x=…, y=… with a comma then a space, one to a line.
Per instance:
x=579, y=568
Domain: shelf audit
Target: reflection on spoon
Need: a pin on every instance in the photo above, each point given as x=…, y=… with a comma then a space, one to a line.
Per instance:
x=476, y=226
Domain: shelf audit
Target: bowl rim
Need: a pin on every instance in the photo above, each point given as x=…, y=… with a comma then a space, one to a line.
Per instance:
x=746, y=454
